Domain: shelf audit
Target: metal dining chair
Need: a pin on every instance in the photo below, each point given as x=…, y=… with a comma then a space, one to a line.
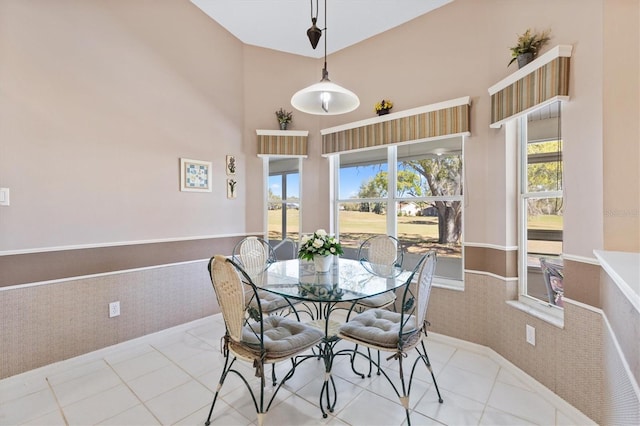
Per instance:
x=553, y=275
x=381, y=255
x=255, y=255
x=398, y=332
x=252, y=336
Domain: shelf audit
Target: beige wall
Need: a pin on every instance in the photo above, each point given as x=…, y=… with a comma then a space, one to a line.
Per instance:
x=100, y=99
x=621, y=153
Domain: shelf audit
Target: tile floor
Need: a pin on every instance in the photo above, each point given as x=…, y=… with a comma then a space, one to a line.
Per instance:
x=169, y=378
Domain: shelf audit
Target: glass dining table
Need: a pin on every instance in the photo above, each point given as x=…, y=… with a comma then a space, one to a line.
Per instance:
x=342, y=286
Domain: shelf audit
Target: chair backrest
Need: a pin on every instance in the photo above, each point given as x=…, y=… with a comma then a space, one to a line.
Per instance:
x=380, y=254
x=425, y=282
x=414, y=302
x=254, y=255
x=553, y=276
x=233, y=286
x=229, y=293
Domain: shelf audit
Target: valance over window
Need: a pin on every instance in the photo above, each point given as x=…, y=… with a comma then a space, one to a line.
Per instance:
x=541, y=82
x=430, y=121
x=282, y=142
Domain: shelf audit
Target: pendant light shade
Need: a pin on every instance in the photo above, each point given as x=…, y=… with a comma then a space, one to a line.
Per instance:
x=325, y=97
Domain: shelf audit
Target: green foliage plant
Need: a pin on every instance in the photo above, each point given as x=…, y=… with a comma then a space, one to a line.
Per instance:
x=284, y=116
x=529, y=42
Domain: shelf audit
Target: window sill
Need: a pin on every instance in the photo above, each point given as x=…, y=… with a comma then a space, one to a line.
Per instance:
x=551, y=319
x=448, y=284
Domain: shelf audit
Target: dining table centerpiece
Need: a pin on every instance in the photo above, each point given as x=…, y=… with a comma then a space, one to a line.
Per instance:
x=319, y=247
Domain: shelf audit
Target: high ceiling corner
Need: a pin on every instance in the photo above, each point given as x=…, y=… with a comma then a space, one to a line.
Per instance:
x=282, y=24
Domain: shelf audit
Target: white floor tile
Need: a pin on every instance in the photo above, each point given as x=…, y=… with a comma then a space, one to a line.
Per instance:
x=180, y=402
x=27, y=408
x=186, y=347
x=158, y=382
x=52, y=419
x=454, y=410
x=505, y=376
x=170, y=378
x=22, y=385
x=89, y=384
x=359, y=411
x=476, y=363
x=522, y=403
x=465, y=383
x=140, y=365
x=101, y=406
x=493, y=417
x=138, y=416
x=222, y=415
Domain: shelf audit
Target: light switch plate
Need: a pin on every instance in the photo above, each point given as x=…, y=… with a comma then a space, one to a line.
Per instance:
x=4, y=196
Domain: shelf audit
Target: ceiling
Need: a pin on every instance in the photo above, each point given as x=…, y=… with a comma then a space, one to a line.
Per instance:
x=282, y=24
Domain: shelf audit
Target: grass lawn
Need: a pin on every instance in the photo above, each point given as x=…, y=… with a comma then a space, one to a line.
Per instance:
x=417, y=233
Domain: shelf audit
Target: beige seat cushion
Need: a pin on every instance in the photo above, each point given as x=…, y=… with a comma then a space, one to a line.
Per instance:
x=377, y=327
x=268, y=301
x=378, y=301
x=282, y=336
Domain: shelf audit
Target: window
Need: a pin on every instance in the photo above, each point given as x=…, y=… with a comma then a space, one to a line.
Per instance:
x=541, y=219
x=412, y=192
x=283, y=199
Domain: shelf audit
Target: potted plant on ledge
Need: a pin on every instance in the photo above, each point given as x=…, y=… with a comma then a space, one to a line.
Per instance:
x=284, y=118
x=528, y=46
x=383, y=107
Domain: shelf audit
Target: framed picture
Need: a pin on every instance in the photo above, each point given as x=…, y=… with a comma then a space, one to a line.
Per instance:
x=231, y=188
x=231, y=165
x=195, y=175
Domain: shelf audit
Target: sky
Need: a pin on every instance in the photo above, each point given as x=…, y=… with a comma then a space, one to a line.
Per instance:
x=350, y=180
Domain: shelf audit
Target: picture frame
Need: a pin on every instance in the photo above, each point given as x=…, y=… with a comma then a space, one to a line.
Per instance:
x=232, y=188
x=195, y=175
x=231, y=165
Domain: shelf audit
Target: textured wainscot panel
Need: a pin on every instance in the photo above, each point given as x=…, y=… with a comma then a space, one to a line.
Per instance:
x=568, y=360
x=48, y=323
x=460, y=314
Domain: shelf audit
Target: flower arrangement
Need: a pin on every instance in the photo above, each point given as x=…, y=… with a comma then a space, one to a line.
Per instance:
x=284, y=117
x=319, y=243
x=529, y=42
x=383, y=105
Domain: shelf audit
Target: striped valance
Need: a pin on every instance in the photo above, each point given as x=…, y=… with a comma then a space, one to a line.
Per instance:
x=542, y=81
x=431, y=121
x=282, y=142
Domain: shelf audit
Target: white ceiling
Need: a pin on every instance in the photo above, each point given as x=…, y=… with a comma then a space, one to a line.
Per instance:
x=282, y=24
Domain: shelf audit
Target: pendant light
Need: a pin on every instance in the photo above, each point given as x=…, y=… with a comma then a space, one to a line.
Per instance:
x=325, y=97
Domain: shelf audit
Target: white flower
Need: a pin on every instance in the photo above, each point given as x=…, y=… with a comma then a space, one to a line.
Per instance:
x=318, y=243
x=321, y=233
x=305, y=239
x=332, y=249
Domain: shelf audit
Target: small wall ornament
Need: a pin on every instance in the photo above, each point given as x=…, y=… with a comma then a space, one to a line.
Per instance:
x=195, y=175
x=231, y=188
x=231, y=165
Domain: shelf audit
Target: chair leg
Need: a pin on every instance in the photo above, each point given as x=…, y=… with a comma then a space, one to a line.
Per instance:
x=223, y=376
x=425, y=358
x=353, y=366
x=274, y=379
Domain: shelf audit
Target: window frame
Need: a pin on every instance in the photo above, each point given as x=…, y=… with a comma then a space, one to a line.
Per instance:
x=392, y=199
x=266, y=179
x=523, y=196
